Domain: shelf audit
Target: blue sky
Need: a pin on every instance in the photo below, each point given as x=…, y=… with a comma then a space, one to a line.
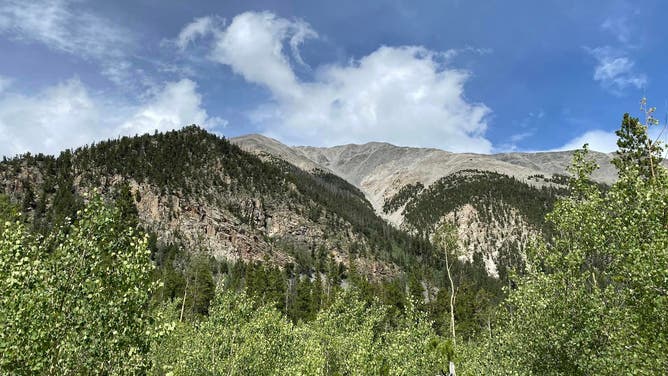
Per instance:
x=476, y=76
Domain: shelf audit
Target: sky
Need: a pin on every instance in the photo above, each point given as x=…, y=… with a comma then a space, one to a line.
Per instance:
x=464, y=76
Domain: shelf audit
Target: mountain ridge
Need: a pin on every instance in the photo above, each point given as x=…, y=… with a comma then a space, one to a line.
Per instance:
x=381, y=169
x=497, y=201
x=253, y=198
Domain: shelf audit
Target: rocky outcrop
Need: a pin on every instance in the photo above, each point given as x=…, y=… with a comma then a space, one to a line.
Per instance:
x=509, y=230
x=248, y=235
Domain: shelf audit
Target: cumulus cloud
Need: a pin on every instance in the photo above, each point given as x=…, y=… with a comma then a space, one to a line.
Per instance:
x=399, y=95
x=406, y=95
x=598, y=140
x=176, y=105
x=606, y=142
x=68, y=115
x=252, y=45
x=616, y=71
x=62, y=115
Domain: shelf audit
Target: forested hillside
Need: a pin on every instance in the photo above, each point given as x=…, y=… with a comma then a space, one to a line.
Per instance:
x=497, y=216
x=215, y=212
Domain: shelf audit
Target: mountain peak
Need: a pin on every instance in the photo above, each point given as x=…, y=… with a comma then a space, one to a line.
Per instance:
x=381, y=169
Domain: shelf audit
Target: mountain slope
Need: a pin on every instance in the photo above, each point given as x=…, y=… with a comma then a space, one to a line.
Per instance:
x=380, y=170
x=497, y=201
x=196, y=189
x=266, y=147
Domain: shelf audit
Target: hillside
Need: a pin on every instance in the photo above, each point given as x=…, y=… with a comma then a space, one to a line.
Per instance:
x=193, y=188
x=497, y=201
x=380, y=170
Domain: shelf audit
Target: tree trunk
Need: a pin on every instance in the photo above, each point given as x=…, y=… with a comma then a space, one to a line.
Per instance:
x=452, y=300
x=183, y=304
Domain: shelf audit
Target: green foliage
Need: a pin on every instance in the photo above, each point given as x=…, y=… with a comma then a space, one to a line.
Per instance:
x=124, y=201
x=485, y=190
x=406, y=193
x=350, y=337
x=199, y=286
x=8, y=210
x=636, y=149
x=596, y=299
x=75, y=301
x=238, y=338
x=65, y=200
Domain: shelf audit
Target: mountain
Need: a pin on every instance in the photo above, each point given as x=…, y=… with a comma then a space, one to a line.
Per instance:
x=292, y=225
x=204, y=193
x=268, y=148
x=306, y=205
x=380, y=170
x=498, y=201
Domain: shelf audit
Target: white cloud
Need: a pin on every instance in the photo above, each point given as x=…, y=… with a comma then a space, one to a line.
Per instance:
x=301, y=31
x=61, y=116
x=404, y=95
x=68, y=115
x=61, y=27
x=178, y=104
x=58, y=26
x=606, y=142
x=598, y=140
x=197, y=28
x=615, y=71
x=399, y=95
x=252, y=45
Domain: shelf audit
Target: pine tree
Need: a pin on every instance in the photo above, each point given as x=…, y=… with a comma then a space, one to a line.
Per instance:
x=124, y=200
x=636, y=148
x=28, y=202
